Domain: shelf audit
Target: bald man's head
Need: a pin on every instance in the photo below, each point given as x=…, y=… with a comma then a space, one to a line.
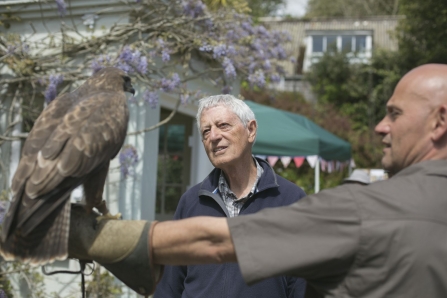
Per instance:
x=415, y=126
x=428, y=81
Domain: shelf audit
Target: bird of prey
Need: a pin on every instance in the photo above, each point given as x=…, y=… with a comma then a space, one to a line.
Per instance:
x=71, y=143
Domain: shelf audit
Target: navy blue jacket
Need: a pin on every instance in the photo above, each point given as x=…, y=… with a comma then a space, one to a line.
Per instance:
x=225, y=280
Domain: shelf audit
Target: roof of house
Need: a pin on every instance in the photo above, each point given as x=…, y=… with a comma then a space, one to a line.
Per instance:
x=381, y=26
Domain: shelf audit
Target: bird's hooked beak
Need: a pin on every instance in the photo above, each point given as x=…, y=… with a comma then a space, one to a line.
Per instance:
x=128, y=86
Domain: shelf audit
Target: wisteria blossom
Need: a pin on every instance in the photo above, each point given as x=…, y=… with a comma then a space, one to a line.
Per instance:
x=160, y=47
x=127, y=60
x=150, y=98
x=169, y=84
x=3, y=294
x=193, y=8
x=61, y=7
x=51, y=91
x=128, y=159
x=257, y=78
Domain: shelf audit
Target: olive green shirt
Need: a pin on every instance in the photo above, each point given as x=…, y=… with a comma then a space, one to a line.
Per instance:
x=386, y=239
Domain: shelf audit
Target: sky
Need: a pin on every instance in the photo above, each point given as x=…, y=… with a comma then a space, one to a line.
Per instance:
x=295, y=8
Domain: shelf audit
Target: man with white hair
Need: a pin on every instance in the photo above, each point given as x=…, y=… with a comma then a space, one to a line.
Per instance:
x=240, y=184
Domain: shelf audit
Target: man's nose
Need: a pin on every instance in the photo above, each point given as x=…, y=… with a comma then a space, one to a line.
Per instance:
x=383, y=127
x=214, y=133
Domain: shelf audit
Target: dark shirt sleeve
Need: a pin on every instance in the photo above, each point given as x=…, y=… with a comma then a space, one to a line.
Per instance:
x=318, y=236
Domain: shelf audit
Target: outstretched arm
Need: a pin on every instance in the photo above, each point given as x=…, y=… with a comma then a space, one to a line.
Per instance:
x=198, y=240
x=133, y=250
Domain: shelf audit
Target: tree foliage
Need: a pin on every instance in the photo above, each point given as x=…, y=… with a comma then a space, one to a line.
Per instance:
x=261, y=8
x=351, y=8
x=421, y=35
x=102, y=284
x=358, y=91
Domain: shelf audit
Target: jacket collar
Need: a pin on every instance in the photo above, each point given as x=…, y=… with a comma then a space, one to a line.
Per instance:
x=267, y=180
x=428, y=167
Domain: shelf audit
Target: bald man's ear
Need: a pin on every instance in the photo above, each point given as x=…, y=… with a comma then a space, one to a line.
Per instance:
x=440, y=129
x=252, y=127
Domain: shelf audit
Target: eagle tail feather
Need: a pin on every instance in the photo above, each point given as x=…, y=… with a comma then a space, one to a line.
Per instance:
x=46, y=244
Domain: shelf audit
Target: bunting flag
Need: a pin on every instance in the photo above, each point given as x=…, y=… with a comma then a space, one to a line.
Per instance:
x=299, y=160
x=323, y=165
x=272, y=160
x=312, y=160
x=286, y=161
x=338, y=166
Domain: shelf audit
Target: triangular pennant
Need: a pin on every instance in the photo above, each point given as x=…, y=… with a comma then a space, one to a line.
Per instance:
x=323, y=165
x=286, y=161
x=272, y=160
x=312, y=160
x=299, y=160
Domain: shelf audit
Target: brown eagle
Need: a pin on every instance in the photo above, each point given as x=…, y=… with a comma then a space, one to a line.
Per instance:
x=71, y=143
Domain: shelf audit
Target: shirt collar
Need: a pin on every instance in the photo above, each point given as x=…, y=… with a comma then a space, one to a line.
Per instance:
x=225, y=190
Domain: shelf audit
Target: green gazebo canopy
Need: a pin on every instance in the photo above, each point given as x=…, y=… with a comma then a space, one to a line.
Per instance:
x=282, y=133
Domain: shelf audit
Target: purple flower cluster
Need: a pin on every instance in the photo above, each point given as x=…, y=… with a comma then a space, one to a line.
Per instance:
x=232, y=40
x=165, y=55
x=150, y=98
x=170, y=84
x=206, y=48
x=11, y=49
x=129, y=59
x=257, y=78
x=51, y=91
x=101, y=62
x=275, y=78
x=193, y=8
x=253, y=49
x=128, y=159
x=230, y=71
x=219, y=51
x=163, y=49
x=61, y=7
x=3, y=294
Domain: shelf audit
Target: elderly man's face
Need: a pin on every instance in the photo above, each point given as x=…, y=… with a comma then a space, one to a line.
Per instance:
x=225, y=138
x=405, y=128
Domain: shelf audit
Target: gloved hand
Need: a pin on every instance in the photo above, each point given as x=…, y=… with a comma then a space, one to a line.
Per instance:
x=121, y=246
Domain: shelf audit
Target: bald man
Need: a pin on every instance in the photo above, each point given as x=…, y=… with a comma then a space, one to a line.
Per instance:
x=386, y=239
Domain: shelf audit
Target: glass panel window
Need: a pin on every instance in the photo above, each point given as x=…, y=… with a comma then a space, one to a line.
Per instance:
x=360, y=43
x=331, y=43
x=170, y=184
x=346, y=43
x=317, y=44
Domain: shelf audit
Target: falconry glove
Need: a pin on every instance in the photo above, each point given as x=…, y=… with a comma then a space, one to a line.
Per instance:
x=121, y=246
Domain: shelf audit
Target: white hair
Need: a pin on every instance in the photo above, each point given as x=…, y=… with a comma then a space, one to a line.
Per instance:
x=239, y=107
